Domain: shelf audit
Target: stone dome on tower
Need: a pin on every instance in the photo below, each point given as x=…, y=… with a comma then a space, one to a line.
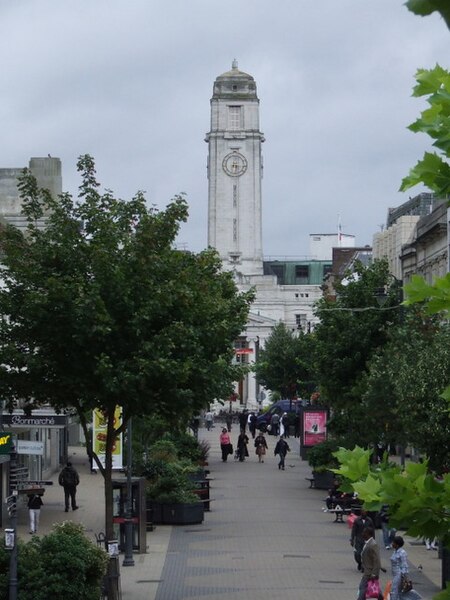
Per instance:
x=234, y=84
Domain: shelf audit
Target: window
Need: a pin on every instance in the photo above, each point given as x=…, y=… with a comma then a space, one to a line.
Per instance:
x=234, y=117
x=300, y=321
x=301, y=273
x=327, y=269
x=235, y=195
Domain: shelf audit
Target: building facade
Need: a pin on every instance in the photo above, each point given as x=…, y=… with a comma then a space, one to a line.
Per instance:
x=285, y=290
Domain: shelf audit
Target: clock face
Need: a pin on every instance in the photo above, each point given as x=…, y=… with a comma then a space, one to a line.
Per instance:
x=234, y=164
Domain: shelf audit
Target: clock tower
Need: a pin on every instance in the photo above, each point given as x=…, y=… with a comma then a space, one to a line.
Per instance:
x=235, y=173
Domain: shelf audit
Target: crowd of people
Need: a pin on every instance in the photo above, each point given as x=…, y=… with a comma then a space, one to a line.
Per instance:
x=366, y=551
x=248, y=421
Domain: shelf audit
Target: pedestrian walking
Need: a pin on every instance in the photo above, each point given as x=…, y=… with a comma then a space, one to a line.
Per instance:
x=261, y=447
x=285, y=424
x=282, y=448
x=34, y=511
x=356, y=537
x=252, y=424
x=399, y=566
x=242, y=446
x=225, y=444
x=370, y=561
x=69, y=479
x=229, y=421
x=243, y=417
x=388, y=532
x=209, y=420
x=275, y=424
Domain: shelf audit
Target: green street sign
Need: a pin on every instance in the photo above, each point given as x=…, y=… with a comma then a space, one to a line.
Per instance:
x=6, y=442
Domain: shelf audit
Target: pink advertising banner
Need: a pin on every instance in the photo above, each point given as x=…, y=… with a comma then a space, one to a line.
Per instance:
x=314, y=427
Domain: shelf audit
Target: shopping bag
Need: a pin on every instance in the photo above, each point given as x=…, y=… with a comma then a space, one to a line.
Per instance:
x=373, y=588
x=350, y=520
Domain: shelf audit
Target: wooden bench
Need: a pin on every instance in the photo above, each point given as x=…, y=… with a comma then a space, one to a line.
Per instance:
x=311, y=481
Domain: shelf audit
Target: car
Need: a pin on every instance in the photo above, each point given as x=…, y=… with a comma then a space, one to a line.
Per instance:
x=280, y=407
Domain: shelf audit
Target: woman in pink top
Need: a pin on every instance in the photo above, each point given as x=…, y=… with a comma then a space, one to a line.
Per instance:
x=225, y=444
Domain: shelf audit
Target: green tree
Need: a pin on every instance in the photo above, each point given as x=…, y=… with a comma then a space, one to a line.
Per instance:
x=62, y=564
x=351, y=329
x=427, y=7
x=433, y=170
x=403, y=387
x=100, y=310
x=285, y=363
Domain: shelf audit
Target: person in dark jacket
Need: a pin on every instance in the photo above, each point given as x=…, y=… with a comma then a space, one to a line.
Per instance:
x=252, y=424
x=242, y=446
x=69, y=479
x=356, y=538
x=282, y=448
x=34, y=511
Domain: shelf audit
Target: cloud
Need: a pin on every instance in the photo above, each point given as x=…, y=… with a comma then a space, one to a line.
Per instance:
x=130, y=83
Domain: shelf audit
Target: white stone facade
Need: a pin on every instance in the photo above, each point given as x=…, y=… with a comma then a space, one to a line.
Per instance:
x=235, y=172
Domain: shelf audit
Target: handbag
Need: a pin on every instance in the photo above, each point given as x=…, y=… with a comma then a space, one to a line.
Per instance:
x=405, y=584
x=373, y=588
x=230, y=448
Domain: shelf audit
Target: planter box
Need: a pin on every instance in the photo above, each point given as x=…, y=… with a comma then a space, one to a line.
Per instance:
x=323, y=481
x=182, y=514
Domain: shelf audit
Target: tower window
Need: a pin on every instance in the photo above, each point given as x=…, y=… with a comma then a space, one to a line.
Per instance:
x=235, y=195
x=234, y=230
x=301, y=273
x=234, y=117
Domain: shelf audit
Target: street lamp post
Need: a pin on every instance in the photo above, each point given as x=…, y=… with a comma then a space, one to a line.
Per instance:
x=128, y=560
x=13, y=523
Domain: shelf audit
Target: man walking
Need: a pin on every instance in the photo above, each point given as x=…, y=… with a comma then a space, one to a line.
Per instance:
x=370, y=561
x=282, y=448
x=69, y=479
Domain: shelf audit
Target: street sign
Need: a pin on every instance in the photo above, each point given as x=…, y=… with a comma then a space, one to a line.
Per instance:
x=6, y=442
x=29, y=485
x=30, y=447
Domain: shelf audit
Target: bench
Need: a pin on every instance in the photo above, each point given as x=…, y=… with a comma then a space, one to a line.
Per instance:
x=339, y=513
x=311, y=481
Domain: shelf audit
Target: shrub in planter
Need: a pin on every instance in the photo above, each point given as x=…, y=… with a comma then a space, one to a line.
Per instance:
x=63, y=564
x=164, y=450
x=320, y=457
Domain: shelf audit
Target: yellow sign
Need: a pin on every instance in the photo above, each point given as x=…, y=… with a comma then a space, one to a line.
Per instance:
x=99, y=429
x=5, y=442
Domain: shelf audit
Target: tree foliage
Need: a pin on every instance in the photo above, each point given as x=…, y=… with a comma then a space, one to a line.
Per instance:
x=403, y=387
x=285, y=364
x=418, y=501
x=350, y=331
x=427, y=7
x=434, y=169
x=100, y=310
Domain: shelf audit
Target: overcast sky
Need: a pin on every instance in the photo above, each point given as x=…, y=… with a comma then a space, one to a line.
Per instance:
x=129, y=82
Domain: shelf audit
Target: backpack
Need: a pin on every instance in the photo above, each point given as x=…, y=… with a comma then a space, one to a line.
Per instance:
x=68, y=477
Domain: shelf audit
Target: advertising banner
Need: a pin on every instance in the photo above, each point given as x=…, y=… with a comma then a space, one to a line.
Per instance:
x=314, y=427
x=99, y=426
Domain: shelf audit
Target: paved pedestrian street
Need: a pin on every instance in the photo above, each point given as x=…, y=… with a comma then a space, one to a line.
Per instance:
x=265, y=537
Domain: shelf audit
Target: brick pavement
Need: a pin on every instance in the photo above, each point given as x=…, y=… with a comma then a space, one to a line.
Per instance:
x=266, y=536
